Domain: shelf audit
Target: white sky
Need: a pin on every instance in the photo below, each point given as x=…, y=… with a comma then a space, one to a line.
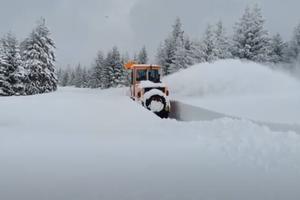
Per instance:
x=81, y=28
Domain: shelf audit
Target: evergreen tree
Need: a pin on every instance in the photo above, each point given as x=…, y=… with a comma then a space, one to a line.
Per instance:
x=90, y=78
x=163, y=57
x=125, y=58
x=279, y=48
x=16, y=74
x=180, y=58
x=197, y=52
x=189, y=52
x=110, y=75
x=143, y=56
x=209, y=44
x=123, y=79
x=109, y=72
x=114, y=68
x=136, y=58
x=294, y=47
x=5, y=86
x=59, y=75
x=125, y=74
x=72, y=77
x=222, y=43
x=39, y=57
x=99, y=72
x=251, y=40
x=78, y=81
x=84, y=78
x=171, y=52
x=65, y=78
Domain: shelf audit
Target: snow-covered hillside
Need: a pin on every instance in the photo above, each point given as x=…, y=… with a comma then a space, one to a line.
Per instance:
x=242, y=89
x=93, y=144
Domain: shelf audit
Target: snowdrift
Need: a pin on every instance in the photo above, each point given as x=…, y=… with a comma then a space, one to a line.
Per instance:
x=83, y=144
x=230, y=77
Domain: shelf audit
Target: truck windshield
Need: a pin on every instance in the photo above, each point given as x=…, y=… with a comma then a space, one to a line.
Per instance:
x=151, y=75
x=154, y=76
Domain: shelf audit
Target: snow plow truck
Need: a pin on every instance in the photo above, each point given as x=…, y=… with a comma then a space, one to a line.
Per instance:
x=147, y=89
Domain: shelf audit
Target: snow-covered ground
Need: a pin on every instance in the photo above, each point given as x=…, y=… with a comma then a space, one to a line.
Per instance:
x=241, y=89
x=82, y=144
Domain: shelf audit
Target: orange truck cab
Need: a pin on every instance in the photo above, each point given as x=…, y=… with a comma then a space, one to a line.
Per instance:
x=146, y=88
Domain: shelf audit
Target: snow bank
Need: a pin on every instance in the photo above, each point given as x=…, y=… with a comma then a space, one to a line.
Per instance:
x=230, y=77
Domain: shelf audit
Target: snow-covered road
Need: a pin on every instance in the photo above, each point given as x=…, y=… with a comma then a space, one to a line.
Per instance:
x=93, y=144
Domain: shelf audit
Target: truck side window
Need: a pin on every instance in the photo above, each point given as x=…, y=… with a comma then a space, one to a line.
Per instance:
x=154, y=76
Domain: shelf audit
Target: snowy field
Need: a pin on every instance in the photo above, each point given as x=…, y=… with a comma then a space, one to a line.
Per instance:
x=82, y=144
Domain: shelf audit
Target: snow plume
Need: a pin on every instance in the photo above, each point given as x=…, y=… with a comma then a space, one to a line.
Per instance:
x=230, y=77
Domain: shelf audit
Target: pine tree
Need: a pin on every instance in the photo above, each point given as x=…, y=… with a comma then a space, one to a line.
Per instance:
x=123, y=78
x=189, y=52
x=5, y=86
x=65, y=78
x=251, y=40
x=72, y=78
x=222, y=43
x=39, y=57
x=197, y=52
x=59, y=74
x=294, y=47
x=279, y=48
x=110, y=75
x=170, y=53
x=114, y=68
x=125, y=58
x=16, y=74
x=84, y=78
x=180, y=58
x=78, y=81
x=209, y=44
x=125, y=73
x=99, y=72
x=143, y=56
x=163, y=57
x=135, y=58
x=90, y=78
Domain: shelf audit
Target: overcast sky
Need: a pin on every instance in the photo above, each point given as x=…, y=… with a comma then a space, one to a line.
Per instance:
x=81, y=28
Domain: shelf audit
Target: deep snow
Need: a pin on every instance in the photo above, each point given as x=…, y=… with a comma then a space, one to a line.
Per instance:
x=93, y=144
x=242, y=89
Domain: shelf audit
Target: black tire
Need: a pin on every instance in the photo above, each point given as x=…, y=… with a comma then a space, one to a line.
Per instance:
x=163, y=113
